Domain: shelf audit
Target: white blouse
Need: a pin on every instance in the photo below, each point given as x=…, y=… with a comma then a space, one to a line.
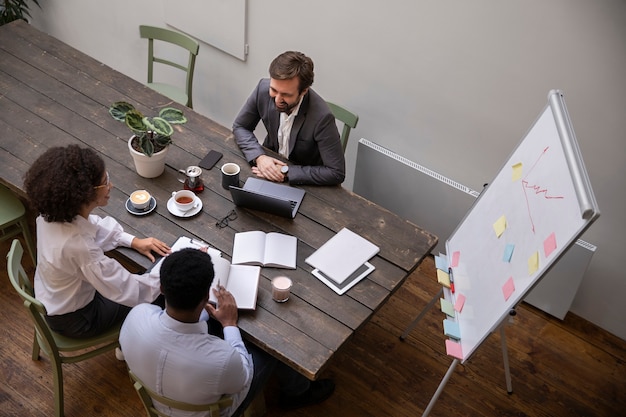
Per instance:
x=72, y=266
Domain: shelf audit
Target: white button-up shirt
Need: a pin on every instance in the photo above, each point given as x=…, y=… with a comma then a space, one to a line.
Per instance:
x=284, y=129
x=72, y=266
x=183, y=362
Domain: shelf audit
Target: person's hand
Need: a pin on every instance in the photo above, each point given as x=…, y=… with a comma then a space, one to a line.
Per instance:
x=226, y=311
x=147, y=245
x=269, y=168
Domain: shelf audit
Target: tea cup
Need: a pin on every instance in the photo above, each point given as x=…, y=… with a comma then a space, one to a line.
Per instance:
x=184, y=199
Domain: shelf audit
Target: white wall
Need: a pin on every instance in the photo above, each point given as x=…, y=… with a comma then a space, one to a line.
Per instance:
x=452, y=85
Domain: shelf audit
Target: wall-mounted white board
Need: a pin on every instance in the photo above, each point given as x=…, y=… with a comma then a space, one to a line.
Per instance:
x=540, y=202
x=219, y=23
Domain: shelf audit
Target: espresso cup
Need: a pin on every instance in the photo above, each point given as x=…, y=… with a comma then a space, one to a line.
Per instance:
x=184, y=199
x=230, y=175
x=140, y=199
x=281, y=288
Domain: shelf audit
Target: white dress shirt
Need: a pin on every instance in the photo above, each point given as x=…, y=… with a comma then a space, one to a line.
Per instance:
x=284, y=129
x=72, y=266
x=183, y=362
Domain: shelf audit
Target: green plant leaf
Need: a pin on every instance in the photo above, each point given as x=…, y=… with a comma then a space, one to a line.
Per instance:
x=163, y=140
x=146, y=146
x=136, y=121
x=173, y=115
x=159, y=125
x=119, y=109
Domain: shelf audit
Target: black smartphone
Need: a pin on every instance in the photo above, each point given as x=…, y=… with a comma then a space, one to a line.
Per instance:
x=210, y=159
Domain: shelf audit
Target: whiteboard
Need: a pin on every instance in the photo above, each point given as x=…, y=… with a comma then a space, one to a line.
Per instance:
x=220, y=23
x=537, y=206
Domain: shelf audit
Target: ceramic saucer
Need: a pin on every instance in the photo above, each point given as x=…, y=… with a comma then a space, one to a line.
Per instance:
x=171, y=207
x=141, y=212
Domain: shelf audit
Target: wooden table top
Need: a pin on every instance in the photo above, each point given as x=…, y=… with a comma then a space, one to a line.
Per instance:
x=54, y=95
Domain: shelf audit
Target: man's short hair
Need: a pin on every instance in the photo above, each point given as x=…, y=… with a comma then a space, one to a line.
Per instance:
x=293, y=64
x=186, y=277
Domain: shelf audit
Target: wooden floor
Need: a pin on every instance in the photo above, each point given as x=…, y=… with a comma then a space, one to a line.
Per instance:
x=559, y=368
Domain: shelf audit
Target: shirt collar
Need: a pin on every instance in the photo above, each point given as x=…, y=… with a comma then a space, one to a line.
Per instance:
x=180, y=327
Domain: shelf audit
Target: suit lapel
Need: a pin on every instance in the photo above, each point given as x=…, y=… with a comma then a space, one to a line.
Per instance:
x=298, y=122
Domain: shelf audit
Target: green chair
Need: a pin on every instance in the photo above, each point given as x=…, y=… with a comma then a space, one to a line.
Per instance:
x=180, y=95
x=348, y=119
x=13, y=220
x=53, y=344
x=147, y=395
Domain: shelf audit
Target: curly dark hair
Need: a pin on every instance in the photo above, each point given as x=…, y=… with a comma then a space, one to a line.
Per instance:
x=186, y=276
x=62, y=180
x=293, y=64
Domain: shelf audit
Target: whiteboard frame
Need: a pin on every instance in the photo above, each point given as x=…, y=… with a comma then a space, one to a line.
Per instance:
x=586, y=200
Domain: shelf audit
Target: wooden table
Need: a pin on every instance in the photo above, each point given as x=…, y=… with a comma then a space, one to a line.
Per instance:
x=53, y=95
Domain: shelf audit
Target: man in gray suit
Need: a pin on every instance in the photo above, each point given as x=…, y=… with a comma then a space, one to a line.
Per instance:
x=299, y=126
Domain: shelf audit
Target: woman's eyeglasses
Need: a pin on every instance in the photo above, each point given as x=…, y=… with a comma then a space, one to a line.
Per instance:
x=106, y=184
x=232, y=215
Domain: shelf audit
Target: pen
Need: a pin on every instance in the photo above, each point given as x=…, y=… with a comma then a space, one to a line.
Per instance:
x=451, y=280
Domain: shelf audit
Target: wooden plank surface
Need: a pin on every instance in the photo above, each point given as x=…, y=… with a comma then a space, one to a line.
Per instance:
x=53, y=95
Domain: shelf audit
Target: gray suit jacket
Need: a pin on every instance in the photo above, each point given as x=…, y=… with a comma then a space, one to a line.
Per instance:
x=314, y=145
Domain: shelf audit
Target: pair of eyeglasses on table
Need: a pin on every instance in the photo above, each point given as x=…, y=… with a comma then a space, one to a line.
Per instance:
x=223, y=222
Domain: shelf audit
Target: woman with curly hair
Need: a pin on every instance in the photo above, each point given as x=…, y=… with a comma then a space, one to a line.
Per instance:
x=84, y=291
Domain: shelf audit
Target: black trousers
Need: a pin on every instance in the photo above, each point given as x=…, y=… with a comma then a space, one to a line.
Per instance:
x=95, y=318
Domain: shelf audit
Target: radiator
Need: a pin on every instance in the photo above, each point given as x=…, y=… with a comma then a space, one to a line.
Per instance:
x=438, y=204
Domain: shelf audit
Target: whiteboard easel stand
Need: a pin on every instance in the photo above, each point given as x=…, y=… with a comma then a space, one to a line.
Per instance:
x=455, y=362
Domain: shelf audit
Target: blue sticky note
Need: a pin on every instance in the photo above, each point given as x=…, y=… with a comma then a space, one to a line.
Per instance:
x=441, y=262
x=451, y=329
x=508, y=252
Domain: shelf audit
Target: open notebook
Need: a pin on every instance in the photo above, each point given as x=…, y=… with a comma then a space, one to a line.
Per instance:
x=240, y=280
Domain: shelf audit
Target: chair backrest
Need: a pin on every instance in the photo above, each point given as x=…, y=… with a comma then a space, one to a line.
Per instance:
x=348, y=119
x=177, y=38
x=22, y=284
x=147, y=395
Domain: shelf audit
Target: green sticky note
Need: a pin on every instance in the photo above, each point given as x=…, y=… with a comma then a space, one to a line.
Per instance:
x=447, y=307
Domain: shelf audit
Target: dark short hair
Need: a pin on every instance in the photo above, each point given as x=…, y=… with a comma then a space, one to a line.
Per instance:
x=186, y=277
x=293, y=64
x=62, y=180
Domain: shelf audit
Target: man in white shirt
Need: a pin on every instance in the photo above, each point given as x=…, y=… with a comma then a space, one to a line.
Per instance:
x=172, y=352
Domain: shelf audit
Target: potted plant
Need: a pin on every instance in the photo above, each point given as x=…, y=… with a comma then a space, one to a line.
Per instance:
x=151, y=136
x=11, y=10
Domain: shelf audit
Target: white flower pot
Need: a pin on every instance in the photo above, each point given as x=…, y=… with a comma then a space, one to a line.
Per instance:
x=148, y=166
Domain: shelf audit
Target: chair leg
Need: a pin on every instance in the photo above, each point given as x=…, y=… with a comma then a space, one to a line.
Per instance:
x=57, y=375
x=257, y=406
x=35, y=347
x=28, y=238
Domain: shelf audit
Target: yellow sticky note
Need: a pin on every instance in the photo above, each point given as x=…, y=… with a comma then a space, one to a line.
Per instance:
x=443, y=278
x=499, y=226
x=533, y=263
x=516, y=171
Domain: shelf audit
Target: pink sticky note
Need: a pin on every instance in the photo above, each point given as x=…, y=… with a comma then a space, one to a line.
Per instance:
x=455, y=259
x=454, y=349
x=549, y=245
x=460, y=301
x=508, y=288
